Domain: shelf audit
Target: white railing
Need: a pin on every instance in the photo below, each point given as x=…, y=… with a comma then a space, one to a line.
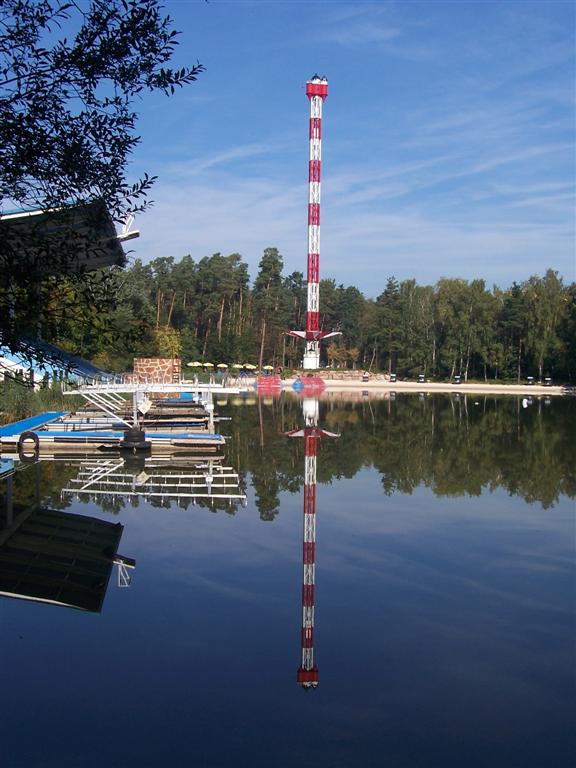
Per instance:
x=129, y=382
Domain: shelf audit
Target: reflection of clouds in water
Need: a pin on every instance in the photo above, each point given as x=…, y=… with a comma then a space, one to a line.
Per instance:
x=362, y=499
x=451, y=551
x=197, y=533
x=360, y=537
x=224, y=588
x=396, y=569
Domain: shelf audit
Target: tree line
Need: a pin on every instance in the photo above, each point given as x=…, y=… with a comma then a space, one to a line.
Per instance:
x=210, y=310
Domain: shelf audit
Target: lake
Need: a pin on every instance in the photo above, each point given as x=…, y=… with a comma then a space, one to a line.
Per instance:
x=443, y=593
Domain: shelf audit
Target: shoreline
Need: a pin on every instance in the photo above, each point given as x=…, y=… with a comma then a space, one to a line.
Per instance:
x=383, y=385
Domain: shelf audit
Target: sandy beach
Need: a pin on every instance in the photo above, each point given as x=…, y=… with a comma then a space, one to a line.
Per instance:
x=378, y=384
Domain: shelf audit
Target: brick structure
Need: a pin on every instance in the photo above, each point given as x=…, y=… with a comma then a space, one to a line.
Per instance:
x=164, y=370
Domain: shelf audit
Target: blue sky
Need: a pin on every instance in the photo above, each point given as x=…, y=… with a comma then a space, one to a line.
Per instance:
x=448, y=138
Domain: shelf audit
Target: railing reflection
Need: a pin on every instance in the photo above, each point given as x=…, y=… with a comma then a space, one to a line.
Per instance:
x=161, y=478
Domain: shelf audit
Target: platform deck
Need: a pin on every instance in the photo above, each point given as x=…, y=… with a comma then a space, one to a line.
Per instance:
x=110, y=436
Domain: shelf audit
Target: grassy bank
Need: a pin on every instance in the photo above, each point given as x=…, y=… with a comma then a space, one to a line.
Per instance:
x=18, y=401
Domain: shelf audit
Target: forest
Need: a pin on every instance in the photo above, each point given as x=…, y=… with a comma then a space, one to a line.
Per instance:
x=209, y=310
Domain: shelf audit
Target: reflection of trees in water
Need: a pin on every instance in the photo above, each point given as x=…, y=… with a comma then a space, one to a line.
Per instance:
x=452, y=445
x=52, y=476
x=114, y=504
x=258, y=446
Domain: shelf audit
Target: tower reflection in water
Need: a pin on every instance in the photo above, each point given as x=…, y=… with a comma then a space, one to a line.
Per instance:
x=307, y=674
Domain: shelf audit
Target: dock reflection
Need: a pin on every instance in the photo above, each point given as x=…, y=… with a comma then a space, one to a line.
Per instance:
x=55, y=557
x=180, y=479
x=63, y=558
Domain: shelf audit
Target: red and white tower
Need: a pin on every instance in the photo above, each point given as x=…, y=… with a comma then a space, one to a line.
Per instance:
x=317, y=91
x=307, y=674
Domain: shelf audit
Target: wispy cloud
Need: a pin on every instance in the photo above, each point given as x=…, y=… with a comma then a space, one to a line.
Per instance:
x=366, y=24
x=486, y=192
x=465, y=168
x=360, y=245
x=196, y=166
x=359, y=32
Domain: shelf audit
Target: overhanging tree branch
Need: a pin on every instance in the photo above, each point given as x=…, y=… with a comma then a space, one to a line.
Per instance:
x=67, y=123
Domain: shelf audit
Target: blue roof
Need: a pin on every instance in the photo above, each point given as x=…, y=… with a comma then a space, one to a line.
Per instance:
x=108, y=433
x=33, y=423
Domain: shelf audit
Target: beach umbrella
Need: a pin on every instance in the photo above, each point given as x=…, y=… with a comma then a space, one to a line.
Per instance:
x=208, y=365
x=237, y=365
x=249, y=367
x=221, y=365
x=195, y=364
x=267, y=367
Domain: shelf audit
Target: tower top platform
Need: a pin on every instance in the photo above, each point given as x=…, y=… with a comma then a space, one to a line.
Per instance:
x=317, y=86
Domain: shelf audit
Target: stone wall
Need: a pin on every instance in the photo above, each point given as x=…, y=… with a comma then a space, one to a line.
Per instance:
x=163, y=370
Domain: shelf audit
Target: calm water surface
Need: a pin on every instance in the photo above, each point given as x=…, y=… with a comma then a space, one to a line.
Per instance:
x=444, y=601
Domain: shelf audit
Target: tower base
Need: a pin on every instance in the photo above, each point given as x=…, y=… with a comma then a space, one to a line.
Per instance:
x=311, y=359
